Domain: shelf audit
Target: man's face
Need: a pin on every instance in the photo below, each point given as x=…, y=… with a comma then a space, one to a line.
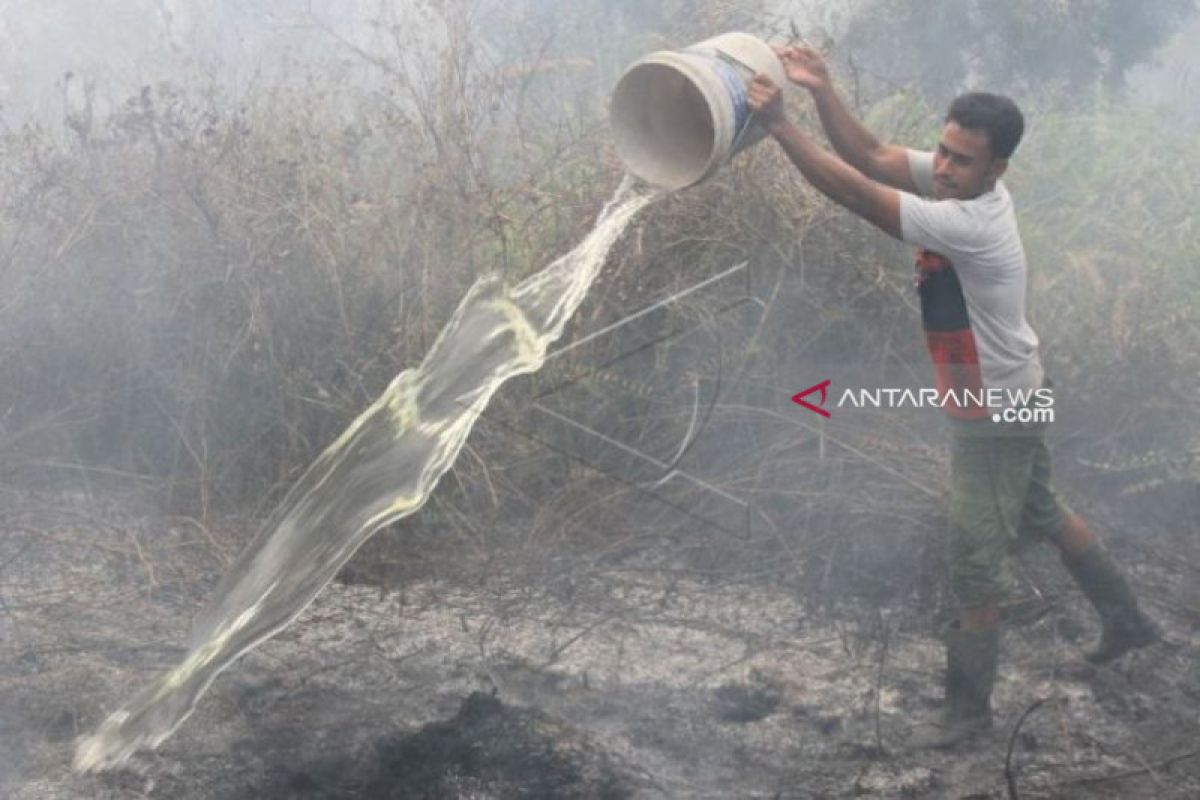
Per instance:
x=963, y=165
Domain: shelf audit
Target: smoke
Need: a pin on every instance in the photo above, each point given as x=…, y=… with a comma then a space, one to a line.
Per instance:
x=59, y=56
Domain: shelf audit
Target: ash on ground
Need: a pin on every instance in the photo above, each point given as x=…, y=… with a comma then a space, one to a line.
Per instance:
x=639, y=682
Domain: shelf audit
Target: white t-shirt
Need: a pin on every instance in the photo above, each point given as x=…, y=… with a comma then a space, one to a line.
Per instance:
x=979, y=238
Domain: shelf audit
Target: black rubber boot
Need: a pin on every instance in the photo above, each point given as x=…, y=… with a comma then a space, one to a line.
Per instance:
x=1125, y=626
x=971, y=658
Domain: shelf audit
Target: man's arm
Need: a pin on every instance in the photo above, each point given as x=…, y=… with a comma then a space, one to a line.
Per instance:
x=842, y=183
x=850, y=138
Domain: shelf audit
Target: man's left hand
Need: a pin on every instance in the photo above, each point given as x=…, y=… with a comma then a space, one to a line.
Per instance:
x=766, y=100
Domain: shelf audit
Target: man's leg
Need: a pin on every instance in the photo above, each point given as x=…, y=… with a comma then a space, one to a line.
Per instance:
x=972, y=655
x=989, y=479
x=1125, y=627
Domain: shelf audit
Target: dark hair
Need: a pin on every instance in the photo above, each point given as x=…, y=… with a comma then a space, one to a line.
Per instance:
x=995, y=115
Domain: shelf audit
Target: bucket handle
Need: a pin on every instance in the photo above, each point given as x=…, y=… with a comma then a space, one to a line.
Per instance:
x=738, y=139
x=732, y=60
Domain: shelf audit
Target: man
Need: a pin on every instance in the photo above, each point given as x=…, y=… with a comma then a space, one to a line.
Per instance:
x=971, y=278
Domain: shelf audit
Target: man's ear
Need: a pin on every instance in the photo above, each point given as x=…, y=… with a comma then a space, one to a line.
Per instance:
x=997, y=168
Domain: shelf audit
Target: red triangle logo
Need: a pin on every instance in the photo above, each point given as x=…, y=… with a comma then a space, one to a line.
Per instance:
x=799, y=400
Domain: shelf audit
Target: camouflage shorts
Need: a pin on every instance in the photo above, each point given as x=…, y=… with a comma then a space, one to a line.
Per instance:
x=1001, y=499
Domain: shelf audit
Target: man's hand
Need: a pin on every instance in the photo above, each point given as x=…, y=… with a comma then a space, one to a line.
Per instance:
x=804, y=66
x=766, y=100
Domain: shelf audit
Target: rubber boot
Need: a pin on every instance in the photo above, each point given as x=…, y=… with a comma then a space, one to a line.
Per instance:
x=971, y=657
x=1125, y=627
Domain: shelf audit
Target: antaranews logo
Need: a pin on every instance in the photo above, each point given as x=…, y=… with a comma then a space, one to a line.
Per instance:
x=798, y=398
x=1024, y=406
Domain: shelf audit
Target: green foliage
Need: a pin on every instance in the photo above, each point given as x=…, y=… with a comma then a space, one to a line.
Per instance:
x=1107, y=205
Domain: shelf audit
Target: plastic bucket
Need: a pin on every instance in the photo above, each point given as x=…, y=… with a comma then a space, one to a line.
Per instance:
x=679, y=115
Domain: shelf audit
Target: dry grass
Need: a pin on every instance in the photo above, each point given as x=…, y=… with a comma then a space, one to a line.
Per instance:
x=197, y=296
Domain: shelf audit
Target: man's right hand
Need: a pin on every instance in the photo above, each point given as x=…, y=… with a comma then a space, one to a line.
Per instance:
x=804, y=66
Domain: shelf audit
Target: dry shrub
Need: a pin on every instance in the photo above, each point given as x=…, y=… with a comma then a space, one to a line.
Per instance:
x=202, y=294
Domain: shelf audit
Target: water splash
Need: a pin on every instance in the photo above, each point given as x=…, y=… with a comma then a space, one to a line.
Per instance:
x=381, y=468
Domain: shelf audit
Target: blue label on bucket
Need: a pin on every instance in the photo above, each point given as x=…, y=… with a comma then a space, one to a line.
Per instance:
x=737, y=94
x=735, y=86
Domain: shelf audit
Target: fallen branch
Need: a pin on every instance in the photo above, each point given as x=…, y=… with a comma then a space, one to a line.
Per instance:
x=1133, y=773
x=1009, y=778
x=883, y=654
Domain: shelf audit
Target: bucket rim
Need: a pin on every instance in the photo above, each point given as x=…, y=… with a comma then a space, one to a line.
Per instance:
x=688, y=63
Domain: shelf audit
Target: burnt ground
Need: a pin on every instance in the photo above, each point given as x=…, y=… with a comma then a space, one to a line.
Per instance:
x=655, y=687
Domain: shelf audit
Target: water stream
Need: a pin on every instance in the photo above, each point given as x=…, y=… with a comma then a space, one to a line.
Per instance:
x=381, y=468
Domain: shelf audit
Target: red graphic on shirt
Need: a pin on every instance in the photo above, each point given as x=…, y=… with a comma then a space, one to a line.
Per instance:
x=821, y=387
x=948, y=336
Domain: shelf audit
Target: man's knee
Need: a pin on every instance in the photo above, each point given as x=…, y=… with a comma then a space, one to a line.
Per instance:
x=1074, y=536
x=980, y=559
x=980, y=617
x=981, y=578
